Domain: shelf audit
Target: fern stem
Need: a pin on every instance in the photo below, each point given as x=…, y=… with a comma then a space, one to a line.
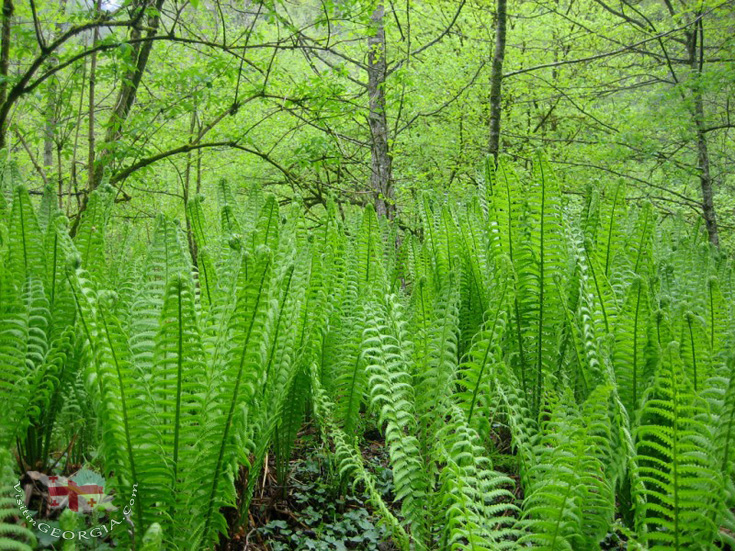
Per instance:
x=635, y=346
x=22, y=230
x=276, y=331
x=484, y=362
x=53, y=271
x=730, y=430
x=92, y=343
x=542, y=288
x=694, y=350
x=675, y=456
x=643, y=237
x=597, y=289
x=610, y=230
x=179, y=376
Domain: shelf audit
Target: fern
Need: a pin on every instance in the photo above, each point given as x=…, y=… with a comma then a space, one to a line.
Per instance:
x=90, y=235
x=180, y=377
x=206, y=269
x=15, y=376
x=113, y=375
x=476, y=504
x=569, y=503
x=348, y=376
x=240, y=374
x=632, y=356
x=436, y=363
x=278, y=408
x=26, y=254
x=680, y=479
x=544, y=304
x=509, y=237
x=386, y=349
x=476, y=372
x=14, y=516
x=610, y=234
x=349, y=460
x=512, y=330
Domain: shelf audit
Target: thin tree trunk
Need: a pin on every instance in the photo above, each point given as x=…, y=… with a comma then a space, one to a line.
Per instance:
x=49, y=129
x=91, y=107
x=51, y=122
x=127, y=94
x=496, y=78
x=8, y=10
x=705, y=177
x=199, y=171
x=696, y=58
x=74, y=176
x=381, y=161
x=187, y=190
x=124, y=103
x=59, y=174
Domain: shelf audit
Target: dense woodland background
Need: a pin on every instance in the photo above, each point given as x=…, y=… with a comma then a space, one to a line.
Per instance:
x=369, y=101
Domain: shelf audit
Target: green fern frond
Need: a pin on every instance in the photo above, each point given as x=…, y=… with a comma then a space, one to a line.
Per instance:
x=569, y=503
x=349, y=460
x=180, y=377
x=14, y=515
x=544, y=303
x=477, y=369
x=266, y=230
x=610, y=238
x=49, y=207
x=387, y=352
x=349, y=381
x=15, y=375
x=675, y=462
x=368, y=250
x=90, y=236
x=205, y=261
x=26, y=254
x=639, y=248
x=632, y=358
x=720, y=393
x=228, y=214
x=590, y=222
x=279, y=408
x=240, y=373
x=718, y=319
x=167, y=257
x=436, y=354
x=475, y=501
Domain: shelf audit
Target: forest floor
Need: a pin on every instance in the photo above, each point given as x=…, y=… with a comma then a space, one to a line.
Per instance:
x=313, y=514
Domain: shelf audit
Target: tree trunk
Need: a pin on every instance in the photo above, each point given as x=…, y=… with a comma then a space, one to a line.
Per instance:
x=91, y=106
x=8, y=9
x=381, y=162
x=126, y=95
x=696, y=59
x=496, y=78
x=187, y=191
x=51, y=122
x=59, y=174
x=705, y=178
x=49, y=129
x=123, y=105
